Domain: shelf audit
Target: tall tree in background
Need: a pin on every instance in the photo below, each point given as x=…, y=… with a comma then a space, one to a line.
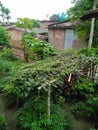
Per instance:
x=84, y=29
x=4, y=13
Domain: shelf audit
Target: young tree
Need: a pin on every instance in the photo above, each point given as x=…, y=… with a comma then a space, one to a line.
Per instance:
x=25, y=23
x=26, y=43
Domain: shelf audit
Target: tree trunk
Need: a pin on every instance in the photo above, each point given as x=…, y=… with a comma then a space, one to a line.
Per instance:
x=92, y=29
x=26, y=56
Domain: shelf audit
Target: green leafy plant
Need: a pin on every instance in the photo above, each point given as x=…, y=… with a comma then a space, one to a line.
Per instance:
x=4, y=36
x=79, y=110
x=83, y=87
x=33, y=116
x=92, y=52
x=8, y=67
x=36, y=49
x=42, y=49
x=32, y=83
x=7, y=54
x=2, y=122
x=89, y=107
x=68, y=121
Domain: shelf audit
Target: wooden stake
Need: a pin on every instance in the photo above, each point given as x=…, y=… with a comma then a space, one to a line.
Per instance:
x=69, y=79
x=48, y=103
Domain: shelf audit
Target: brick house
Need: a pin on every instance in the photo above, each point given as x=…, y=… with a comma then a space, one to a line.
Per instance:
x=42, y=32
x=16, y=34
x=62, y=36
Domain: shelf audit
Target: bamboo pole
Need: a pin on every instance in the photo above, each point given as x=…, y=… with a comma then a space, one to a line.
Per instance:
x=48, y=103
x=92, y=29
x=49, y=96
x=69, y=79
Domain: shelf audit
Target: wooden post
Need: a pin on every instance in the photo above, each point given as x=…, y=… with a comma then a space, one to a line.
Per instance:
x=48, y=102
x=92, y=29
x=49, y=96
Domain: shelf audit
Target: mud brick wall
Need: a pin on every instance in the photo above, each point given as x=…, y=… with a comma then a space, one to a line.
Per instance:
x=15, y=42
x=18, y=53
x=56, y=38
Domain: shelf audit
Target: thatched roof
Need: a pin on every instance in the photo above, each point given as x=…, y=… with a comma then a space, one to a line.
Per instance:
x=90, y=14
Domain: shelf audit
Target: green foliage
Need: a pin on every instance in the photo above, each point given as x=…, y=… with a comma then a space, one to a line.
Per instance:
x=8, y=68
x=36, y=49
x=26, y=23
x=27, y=41
x=92, y=52
x=36, y=24
x=2, y=122
x=75, y=12
x=6, y=71
x=32, y=82
x=83, y=88
x=83, y=110
x=7, y=54
x=79, y=109
x=68, y=121
x=4, y=36
x=29, y=33
x=4, y=14
x=82, y=28
x=42, y=49
x=93, y=101
x=38, y=75
x=33, y=116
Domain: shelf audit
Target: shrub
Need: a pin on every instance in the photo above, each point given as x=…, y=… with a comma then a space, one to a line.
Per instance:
x=2, y=122
x=82, y=88
x=33, y=116
x=7, y=54
x=36, y=49
x=7, y=70
x=83, y=110
x=42, y=49
x=92, y=52
x=4, y=36
x=68, y=121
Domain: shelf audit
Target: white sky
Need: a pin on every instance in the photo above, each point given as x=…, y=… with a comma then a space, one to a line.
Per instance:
x=35, y=9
